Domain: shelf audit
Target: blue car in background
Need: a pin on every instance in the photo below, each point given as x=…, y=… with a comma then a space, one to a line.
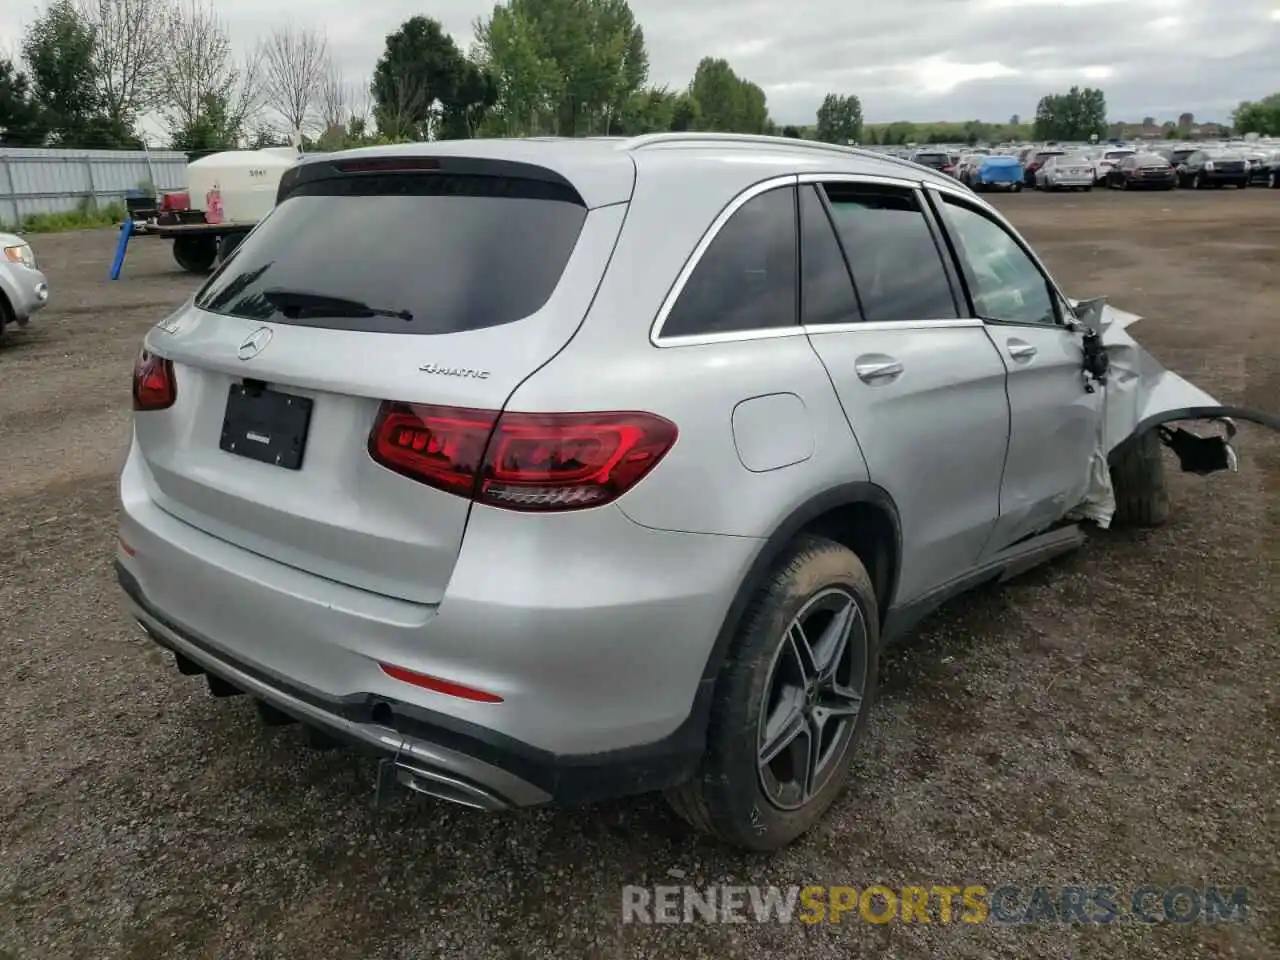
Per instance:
x=997, y=173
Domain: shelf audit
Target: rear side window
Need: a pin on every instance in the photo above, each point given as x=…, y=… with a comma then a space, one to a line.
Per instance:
x=747, y=278
x=403, y=253
x=896, y=266
x=826, y=289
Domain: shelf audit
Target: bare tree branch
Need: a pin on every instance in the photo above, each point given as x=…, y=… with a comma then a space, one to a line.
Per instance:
x=200, y=73
x=129, y=53
x=294, y=63
x=334, y=97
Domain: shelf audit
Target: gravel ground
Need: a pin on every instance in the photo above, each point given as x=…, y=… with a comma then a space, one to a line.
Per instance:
x=1112, y=718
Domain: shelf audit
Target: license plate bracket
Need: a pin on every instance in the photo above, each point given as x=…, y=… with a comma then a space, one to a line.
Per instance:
x=266, y=425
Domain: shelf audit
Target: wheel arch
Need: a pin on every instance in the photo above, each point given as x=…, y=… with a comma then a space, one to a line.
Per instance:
x=860, y=515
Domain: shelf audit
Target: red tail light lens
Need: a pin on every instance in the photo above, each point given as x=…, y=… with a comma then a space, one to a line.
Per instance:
x=154, y=385
x=521, y=461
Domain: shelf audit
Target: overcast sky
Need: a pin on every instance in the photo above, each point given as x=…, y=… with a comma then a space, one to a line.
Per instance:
x=906, y=59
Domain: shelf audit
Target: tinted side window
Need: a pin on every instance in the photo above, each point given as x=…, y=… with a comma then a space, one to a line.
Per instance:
x=747, y=278
x=897, y=269
x=826, y=289
x=1004, y=282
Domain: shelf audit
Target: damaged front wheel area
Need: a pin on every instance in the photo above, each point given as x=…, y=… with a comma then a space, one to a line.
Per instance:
x=1138, y=469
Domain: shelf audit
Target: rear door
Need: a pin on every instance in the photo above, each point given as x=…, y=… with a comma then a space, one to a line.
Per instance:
x=1055, y=426
x=432, y=289
x=923, y=388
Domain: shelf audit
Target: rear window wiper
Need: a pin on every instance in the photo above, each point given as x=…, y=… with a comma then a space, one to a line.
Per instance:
x=295, y=304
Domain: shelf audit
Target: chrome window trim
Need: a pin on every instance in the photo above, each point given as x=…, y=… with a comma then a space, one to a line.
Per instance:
x=682, y=278
x=768, y=333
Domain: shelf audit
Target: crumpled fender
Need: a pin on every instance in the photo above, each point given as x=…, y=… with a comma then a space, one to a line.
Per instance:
x=1140, y=394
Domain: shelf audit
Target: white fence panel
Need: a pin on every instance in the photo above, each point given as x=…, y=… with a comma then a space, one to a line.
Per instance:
x=54, y=181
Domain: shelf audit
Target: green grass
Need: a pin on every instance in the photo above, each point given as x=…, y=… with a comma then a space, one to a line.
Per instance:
x=86, y=216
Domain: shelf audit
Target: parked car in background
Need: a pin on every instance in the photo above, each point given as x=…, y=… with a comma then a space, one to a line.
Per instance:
x=968, y=164
x=1176, y=155
x=1146, y=171
x=997, y=173
x=1067, y=171
x=1034, y=160
x=1102, y=166
x=938, y=160
x=1267, y=172
x=1213, y=168
x=24, y=290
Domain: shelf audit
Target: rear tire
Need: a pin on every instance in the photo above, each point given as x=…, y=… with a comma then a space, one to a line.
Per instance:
x=1141, y=487
x=195, y=254
x=727, y=797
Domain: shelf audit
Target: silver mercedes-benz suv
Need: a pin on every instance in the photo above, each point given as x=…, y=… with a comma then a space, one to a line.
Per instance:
x=551, y=470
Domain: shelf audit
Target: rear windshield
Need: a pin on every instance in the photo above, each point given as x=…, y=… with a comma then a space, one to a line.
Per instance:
x=402, y=253
x=1151, y=160
x=932, y=158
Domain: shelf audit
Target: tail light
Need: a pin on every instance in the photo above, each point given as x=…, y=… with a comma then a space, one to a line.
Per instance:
x=154, y=385
x=521, y=461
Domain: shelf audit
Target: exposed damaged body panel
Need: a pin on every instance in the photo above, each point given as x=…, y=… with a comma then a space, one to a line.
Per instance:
x=1140, y=395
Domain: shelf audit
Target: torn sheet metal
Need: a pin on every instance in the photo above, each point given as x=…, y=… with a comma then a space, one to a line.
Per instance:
x=1140, y=395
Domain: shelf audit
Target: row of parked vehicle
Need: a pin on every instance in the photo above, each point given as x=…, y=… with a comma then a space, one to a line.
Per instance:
x=1053, y=168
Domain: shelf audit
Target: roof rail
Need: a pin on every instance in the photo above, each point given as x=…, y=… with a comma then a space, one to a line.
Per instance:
x=657, y=139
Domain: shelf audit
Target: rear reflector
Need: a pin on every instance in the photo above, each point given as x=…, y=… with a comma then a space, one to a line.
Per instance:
x=521, y=461
x=447, y=687
x=387, y=164
x=154, y=385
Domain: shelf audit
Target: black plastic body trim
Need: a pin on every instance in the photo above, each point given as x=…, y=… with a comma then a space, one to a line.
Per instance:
x=325, y=168
x=1248, y=414
x=567, y=778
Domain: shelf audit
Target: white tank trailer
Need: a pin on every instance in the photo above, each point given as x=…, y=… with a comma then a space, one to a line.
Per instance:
x=228, y=193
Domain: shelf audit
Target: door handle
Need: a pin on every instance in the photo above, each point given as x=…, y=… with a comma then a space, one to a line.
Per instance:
x=1021, y=350
x=877, y=368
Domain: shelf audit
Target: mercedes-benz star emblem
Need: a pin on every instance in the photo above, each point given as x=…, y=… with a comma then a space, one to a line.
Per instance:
x=254, y=344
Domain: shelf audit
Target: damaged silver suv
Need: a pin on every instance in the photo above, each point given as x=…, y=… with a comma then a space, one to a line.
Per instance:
x=551, y=470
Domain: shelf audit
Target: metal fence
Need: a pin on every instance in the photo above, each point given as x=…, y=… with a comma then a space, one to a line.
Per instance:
x=55, y=181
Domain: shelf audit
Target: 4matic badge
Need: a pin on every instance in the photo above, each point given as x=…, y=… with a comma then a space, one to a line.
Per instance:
x=438, y=370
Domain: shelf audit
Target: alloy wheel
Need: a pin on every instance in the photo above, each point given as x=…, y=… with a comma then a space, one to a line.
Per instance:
x=812, y=698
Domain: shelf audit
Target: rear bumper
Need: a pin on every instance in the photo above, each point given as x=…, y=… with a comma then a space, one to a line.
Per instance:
x=436, y=754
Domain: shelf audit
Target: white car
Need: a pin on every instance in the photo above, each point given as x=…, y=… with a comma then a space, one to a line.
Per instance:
x=1069, y=171
x=1107, y=161
x=23, y=288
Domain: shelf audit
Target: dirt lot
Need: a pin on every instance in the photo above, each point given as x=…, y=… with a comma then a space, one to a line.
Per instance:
x=1112, y=719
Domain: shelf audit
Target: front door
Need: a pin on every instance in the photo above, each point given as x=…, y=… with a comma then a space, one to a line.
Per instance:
x=1055, y=421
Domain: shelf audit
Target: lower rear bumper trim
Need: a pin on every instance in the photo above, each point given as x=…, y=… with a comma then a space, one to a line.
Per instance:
x=438, y=754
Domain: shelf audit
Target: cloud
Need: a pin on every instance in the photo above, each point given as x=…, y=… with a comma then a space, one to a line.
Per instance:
x=911, y=60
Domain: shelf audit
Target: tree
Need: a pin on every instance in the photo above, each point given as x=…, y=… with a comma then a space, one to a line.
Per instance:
x=59, y=50
x=839, y=119
x=527, y=85
x=1185, y=122
x=686, y=113
x=1258, y=116
x=791, y=131
x=567, y=67
x=294, y=63
x=21, y=119
x=417, y=77
x=727, y=102
x=1077, y=114
x=206, y=96
x=1015, y=121
x=128, y=54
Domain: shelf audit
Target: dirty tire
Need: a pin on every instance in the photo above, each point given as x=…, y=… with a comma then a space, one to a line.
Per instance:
x=1141, y=489
x=725, y=798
